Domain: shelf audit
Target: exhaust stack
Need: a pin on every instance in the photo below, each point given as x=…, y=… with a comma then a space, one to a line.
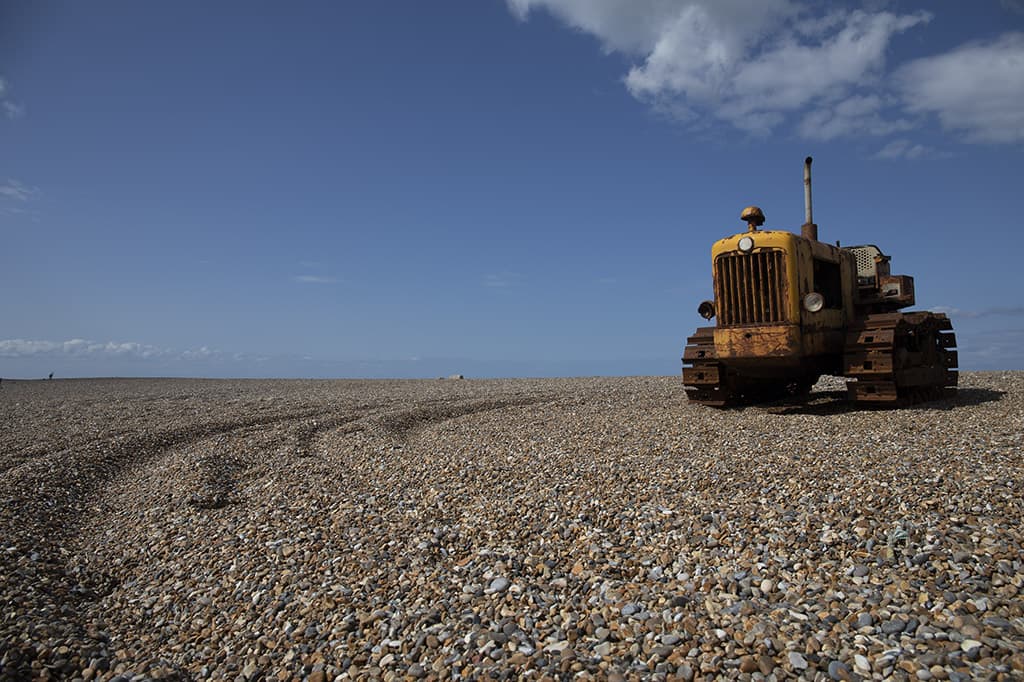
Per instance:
x=808, y=230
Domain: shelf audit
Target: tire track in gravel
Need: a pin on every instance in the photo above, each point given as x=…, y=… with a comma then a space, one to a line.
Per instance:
x=53, y=501
x=220, y=471
x=398, y=479
x=61, y=486
x=217, y=463
x=405, y=423
x=395, y=440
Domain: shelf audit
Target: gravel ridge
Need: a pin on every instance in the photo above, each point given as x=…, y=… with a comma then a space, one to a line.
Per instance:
x=590, y=528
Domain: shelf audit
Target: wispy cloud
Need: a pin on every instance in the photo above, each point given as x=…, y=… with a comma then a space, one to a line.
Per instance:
x=13, y=110
x=905, y=149
x=856, y=115
x=18, y=191
x=23, y=348
x=80, y=357
x=1010, y=311
x=976, y=89
x=10, y=108
x=16, y=199
x=314, y=279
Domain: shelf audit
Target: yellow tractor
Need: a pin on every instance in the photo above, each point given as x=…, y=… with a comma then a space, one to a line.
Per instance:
x=789, y=308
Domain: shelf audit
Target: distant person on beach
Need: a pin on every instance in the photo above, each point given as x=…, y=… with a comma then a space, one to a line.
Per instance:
x=51, y=376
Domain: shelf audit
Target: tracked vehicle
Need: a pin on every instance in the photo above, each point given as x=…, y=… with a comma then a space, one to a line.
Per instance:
x=789, y=308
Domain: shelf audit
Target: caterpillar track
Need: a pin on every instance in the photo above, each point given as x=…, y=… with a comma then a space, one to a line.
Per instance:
x=893, y=359
x=902, y=358
x=705, y=378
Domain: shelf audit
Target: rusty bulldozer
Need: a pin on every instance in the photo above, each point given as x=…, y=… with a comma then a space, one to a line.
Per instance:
x=789, y=308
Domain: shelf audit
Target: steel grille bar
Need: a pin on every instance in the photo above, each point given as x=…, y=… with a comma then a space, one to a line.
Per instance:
x=749, y=287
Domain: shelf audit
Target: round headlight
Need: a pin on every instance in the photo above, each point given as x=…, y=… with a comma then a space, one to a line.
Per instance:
x=813, y=302
x=746, y=244
x=706, y=309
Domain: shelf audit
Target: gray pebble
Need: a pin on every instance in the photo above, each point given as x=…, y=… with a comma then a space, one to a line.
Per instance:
x=499, y=584
x=838, y=670
x=893, y=626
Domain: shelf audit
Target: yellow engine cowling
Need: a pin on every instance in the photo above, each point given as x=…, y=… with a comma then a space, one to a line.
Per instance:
x=761, y=278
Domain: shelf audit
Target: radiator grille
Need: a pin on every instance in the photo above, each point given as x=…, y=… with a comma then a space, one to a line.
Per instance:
x=749, y=288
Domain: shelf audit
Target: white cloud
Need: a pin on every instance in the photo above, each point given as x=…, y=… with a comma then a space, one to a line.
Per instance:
x=11, y=109
x=314, y=279
x=976, y=89
x=18, y=191
x=752, y=65
x=1008, y=311
x=758, y=66
x=16, y=348
x=857, y=115
x=199, y=354
x=81, y=348
x=905, y=149
x=622, y=26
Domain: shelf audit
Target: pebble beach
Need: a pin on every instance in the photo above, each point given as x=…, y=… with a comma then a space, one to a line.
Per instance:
x=591, y=528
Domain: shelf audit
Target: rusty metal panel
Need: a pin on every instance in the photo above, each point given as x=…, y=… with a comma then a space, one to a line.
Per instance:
x=868, y=363
x=871, y=337
x=701, y=336
x=698, y=352
x=697, y=376
x=758, y=342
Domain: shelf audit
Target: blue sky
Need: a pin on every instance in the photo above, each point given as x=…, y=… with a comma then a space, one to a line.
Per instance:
x=520, y=188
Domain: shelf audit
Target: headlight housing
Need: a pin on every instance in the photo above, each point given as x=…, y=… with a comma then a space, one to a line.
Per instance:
x=746, y=244
x=813, y=302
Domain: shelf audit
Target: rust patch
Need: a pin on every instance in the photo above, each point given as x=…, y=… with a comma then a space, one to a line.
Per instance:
x=758, y=342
